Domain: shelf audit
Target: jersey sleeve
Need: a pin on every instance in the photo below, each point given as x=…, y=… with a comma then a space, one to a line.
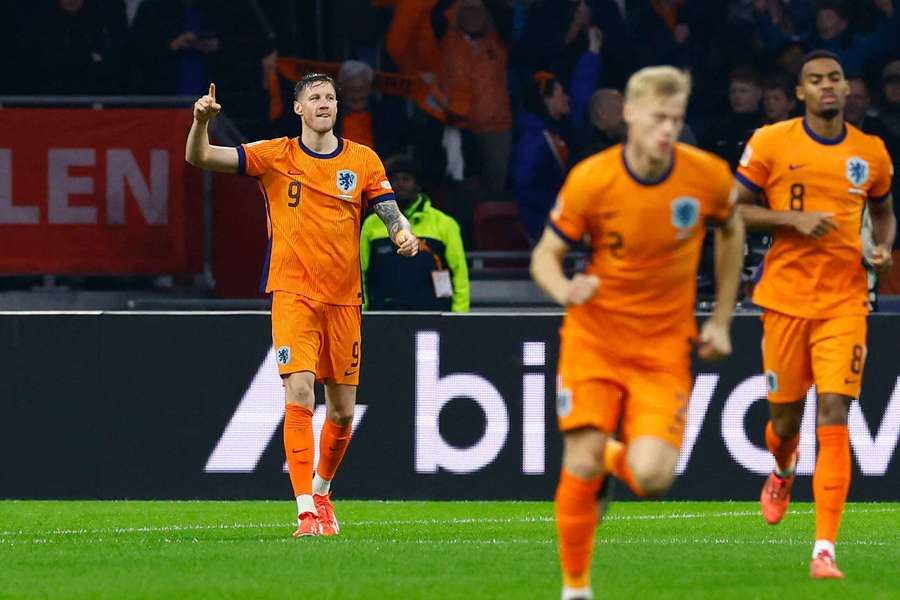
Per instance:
x=884, y=174
x=568, y=219
x=721, y=199
x=378, y=187
x=755, y=164
x=256, y=158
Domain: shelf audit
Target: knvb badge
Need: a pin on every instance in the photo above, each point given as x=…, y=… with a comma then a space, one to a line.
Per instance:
x=857, y=171
x=685, y=215
x=346, y=180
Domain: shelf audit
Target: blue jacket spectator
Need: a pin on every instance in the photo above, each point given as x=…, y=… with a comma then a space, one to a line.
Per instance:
x=541, y=156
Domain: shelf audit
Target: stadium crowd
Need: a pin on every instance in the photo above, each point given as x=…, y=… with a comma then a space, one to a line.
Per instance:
x=516, y=91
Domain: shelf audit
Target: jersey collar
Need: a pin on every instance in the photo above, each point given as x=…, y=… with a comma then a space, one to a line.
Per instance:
x=822, y=140
x=641, y=181
x=332, y=154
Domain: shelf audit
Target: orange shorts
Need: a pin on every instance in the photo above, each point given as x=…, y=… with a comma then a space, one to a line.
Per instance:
x=313, y=336
x=596, y=390
x=798, y=352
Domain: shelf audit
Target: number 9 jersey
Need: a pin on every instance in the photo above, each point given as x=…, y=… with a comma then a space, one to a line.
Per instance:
x=314, y=207
x=796, y=169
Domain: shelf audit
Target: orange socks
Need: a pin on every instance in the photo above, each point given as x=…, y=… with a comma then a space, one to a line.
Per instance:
x=576, y=521
x=781, y=449
x=615, y=462
x=831, y=481
x=298, y=447
x=332, y=446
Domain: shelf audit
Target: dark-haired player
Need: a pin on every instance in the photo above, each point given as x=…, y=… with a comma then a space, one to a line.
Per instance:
x=316, y=187
x=816, y=174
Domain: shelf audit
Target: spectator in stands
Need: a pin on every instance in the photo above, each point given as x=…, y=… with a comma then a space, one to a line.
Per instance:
x=555, y=34
x=778, y=98
x=833, y=32
x=78, y=46
x=661, y=33
x=607, y=125
x=437, y=278
x=727, y=139
x=176, y=44
x=181, y=45
x=890, y=118
x=413, y=45
x=858, y=111
x=541, y=157
x=789, y=57
x=890, y=109
x=379, y=124
x=474, y=79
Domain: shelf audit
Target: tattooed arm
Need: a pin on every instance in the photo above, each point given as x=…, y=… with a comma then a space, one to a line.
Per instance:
x=398, y=227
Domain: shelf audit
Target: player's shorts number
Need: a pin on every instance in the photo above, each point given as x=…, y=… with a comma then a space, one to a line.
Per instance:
x=355, y=355
x=294, y=194
x=797, y=191
x=856, y=363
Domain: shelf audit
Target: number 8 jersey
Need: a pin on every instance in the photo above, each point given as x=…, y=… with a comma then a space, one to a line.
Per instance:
x=314, y=208
x=796, y=169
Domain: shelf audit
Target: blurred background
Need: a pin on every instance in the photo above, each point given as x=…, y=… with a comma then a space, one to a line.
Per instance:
x=481, y=105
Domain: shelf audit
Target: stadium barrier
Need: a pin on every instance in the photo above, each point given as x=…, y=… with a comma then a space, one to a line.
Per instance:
x=189, y=405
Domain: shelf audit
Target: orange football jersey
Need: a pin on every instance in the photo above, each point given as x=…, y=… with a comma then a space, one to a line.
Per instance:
x=315, y=204
x=798, y=170
x=646, y=238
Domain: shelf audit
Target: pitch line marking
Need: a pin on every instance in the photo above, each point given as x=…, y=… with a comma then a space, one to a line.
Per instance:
x=455, y=521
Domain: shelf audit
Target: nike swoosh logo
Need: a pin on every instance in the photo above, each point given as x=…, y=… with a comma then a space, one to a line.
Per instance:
x=795, y=167
x=832, y=487
x=849, y=381
x=349, y=373
x=296, y=451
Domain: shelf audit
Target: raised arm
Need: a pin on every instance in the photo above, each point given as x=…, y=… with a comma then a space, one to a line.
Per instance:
x=198, y=151
x=398, y=227
x=760, y=218
x=547, y=271
x=884, y=233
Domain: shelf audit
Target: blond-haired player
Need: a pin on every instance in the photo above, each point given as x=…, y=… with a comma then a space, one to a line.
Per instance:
x=629, y=328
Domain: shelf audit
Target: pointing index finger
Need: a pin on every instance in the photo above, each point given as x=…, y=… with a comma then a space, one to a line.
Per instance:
x=212, y=90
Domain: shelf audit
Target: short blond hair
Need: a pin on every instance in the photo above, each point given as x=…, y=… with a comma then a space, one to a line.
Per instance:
x=661, y=81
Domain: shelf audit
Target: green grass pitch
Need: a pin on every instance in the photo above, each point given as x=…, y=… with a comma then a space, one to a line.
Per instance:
x=455, y=550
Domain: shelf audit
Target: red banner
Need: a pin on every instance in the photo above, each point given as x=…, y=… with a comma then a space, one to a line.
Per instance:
x=97, y=192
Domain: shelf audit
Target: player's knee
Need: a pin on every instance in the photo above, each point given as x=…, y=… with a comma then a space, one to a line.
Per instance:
x=833, y=409
x=653, y=478
x=341, y=416
x=786, y=427
x=786, y=418
x=299, y=391
x=584, y=465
